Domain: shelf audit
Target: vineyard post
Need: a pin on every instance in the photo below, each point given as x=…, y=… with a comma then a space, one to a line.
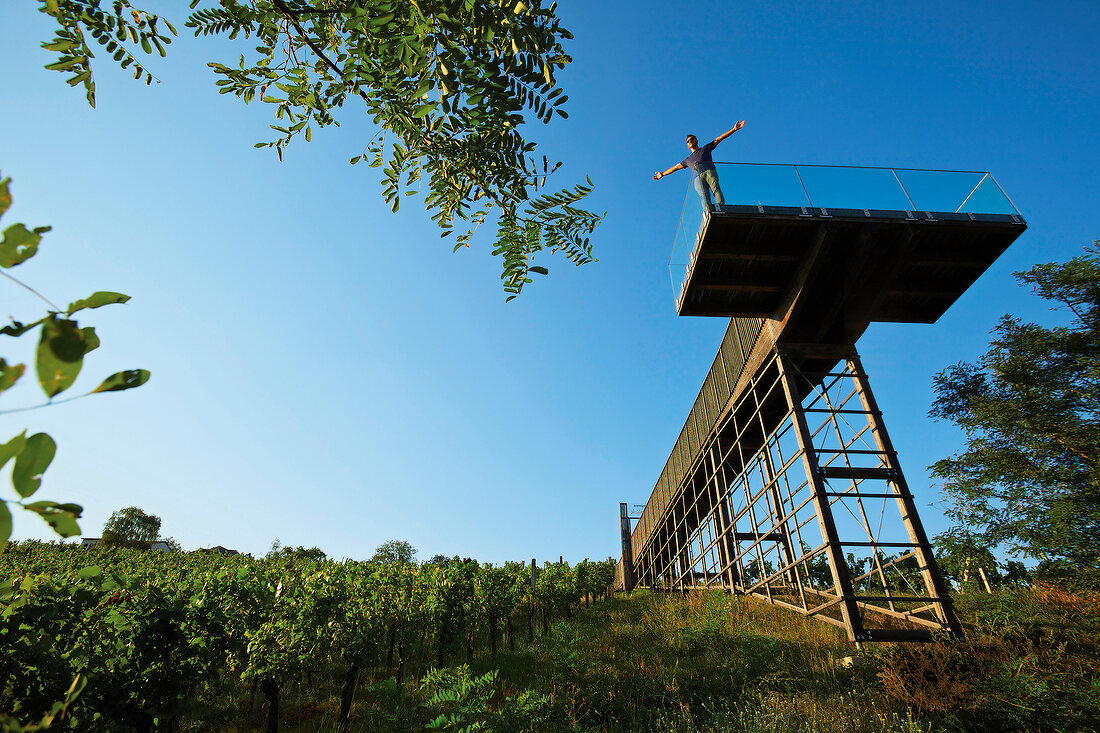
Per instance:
x=531, y=610
x=587, y=582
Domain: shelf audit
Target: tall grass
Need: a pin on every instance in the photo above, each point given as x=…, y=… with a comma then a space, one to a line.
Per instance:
x=711, y=662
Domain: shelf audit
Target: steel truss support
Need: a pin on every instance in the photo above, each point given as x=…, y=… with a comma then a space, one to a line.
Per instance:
x=797, y=498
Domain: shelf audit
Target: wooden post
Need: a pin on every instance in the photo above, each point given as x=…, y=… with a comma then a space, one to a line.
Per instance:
x=531, y=609
x=628, y=552
x=985, y=580
x=849, y=610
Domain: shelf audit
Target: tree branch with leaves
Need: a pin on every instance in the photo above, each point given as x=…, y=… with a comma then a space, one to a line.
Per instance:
x=1030, y=476
x=59, y=358
x=447, y=83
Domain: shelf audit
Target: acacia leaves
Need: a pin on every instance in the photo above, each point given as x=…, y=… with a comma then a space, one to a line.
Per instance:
x=447, y=82
x=59, y=357
x=112, y=30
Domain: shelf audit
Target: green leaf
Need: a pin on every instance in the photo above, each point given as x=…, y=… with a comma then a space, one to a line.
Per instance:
x=31, y=463
x=18, y=329
x=97, y=299
x=19, y=244
x=60, y=355
x=5, y=523
x=425, y=109
x=12, y=448
x=91, y=341
x=9, y=374
x=59, y=516
x=539, y=270
x=92, y=571
x=123, y=380
x=5, y=196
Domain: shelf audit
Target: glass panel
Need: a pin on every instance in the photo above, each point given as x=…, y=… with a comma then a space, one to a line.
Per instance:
x=988, y=198
x=691, y=218
x=747, y=184
x=939, y=190
x=853, y=188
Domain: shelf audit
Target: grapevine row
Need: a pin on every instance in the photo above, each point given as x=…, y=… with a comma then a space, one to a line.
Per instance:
x=93, y=639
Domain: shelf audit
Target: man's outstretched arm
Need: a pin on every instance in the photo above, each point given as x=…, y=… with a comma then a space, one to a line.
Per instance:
x=661, y=174
x=729, y=132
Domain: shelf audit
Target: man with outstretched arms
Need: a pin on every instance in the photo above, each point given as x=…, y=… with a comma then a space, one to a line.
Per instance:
x=702, y=168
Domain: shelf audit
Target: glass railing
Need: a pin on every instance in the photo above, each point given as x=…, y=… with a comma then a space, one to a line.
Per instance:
x=834, y=187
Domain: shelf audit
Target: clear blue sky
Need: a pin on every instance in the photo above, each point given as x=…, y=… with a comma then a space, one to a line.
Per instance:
x=328, y=373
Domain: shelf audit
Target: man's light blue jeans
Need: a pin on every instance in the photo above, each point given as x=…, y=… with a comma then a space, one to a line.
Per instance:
x=706, y=183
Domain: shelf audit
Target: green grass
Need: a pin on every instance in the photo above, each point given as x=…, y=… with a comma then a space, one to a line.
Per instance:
x=711, y=662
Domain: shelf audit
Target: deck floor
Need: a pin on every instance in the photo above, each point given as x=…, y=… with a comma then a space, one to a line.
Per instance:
x=843, y=268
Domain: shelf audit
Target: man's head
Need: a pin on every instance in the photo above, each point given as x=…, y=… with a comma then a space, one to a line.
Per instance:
x=692, y=143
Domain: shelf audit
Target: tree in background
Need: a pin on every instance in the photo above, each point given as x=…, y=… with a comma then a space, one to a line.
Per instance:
x=133, y=527
x=279, y=550
x=1030, y=476
x=447, y=83
x=395, y=551
x=962, y=558
x=438, y=559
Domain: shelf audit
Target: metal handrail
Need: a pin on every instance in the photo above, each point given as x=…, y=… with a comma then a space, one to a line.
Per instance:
x=854, y=167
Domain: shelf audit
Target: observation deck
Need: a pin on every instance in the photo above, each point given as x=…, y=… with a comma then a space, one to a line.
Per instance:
x=783, y=483
x=845, y=246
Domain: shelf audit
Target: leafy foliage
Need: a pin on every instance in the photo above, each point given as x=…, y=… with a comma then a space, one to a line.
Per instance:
x=59, y=358
x=279, y=550
x=111, y=30
x=960, y=557
x=448, y=84
x=131, y=527
x=395, y=551
x=1030, y=476
x=144, y=630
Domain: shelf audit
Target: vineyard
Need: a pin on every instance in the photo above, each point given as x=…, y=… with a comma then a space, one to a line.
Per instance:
x=122, y=639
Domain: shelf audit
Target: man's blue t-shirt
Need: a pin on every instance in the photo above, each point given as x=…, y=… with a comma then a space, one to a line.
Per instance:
x=699, y=160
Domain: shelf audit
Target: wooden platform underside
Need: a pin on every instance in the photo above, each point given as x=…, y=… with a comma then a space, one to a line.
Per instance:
x=842, y=268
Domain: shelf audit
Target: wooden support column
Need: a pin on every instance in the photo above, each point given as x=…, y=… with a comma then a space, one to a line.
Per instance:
x=930, y=572
x=849, y=609
x=720, y=512
x=628, y=551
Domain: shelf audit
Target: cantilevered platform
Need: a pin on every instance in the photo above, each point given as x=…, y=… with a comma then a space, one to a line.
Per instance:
x=866, y=265
x=792, y=236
